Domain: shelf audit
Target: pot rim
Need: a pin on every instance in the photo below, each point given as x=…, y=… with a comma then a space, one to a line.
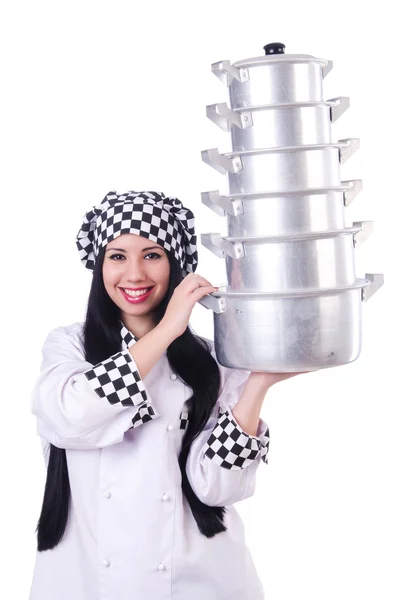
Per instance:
x=286, y=149
x=303, y=292
x=258, y=61
x=281, y=105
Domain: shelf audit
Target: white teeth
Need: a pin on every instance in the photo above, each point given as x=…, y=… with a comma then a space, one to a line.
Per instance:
x=136, y=294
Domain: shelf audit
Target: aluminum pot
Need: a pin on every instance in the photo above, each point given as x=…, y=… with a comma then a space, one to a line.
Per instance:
x=298, y=261
x=272, y=126
x=290, y=332
x=298, y=211
x=282, y=169
x=273, y=79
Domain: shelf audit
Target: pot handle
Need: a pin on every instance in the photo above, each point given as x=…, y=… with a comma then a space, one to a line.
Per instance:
x=355, y=187
x=226, y=72
x=376, y=281
x=219, y=246
x=214, y=303
x=350, y=146
x=367, y=228
x=341, y=105
x=328, y=67
x=220, y=162
x=223, y=116
x=222, y=204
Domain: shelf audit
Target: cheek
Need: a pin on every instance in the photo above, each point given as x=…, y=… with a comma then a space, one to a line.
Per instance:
x=109, y=275
x=164, y=274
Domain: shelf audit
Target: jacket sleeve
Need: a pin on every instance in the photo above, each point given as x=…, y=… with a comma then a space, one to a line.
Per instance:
x=83, y=406
x=223, y=460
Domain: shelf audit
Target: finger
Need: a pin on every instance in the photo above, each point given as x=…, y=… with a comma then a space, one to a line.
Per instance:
x=205, y=289
x=196, y=284
x=200, y=278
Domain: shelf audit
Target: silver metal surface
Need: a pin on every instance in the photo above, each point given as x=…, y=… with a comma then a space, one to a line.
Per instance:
x=296, y=210
x=366, y=228
x=220, y=162
x=298, y=261
x=277, y=82
x=338, y=107
x=226, y=72
x=292, y=301
x=377, y=280
x=289, y=334
x=283, y=168
x=285, y=126
x=271, y=126
x=224, y=117
x=298, y=168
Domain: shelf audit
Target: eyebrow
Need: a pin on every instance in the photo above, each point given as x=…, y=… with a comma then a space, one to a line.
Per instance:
x=143, y=249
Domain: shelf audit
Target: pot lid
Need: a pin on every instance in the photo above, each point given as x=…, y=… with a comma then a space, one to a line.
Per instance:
x=274, y=53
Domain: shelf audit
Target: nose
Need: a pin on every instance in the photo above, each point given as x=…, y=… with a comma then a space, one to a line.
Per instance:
x=135, y=272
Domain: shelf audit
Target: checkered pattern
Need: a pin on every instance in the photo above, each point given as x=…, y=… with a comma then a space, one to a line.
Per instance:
x=128, y=339
x=184, y=420
x=153, y=215
x=230, y=447
x=116, y=380
x=146, y=412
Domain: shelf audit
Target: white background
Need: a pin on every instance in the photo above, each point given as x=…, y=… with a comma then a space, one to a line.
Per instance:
x=111, y=95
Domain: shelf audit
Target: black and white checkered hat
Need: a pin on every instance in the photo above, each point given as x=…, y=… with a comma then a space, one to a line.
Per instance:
x=162, y=219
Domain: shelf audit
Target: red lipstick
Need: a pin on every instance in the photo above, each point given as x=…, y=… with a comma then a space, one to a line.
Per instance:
x=138, y=299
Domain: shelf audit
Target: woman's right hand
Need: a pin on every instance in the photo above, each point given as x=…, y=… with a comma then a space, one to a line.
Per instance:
x=186, y=294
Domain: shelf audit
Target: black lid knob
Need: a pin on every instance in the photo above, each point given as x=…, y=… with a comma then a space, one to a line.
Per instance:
x=274, y=48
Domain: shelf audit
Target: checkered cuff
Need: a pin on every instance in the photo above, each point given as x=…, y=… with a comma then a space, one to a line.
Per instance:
x=146, y=412
x=117, y=379
x=230, y=447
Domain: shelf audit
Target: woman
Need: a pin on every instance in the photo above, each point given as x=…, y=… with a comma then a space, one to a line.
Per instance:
x=151, y=441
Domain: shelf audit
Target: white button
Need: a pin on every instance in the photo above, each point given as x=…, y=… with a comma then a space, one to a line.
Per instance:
x=107, y=494
x=106, y=562
x=165, y=497
x=173, y=376
x=161, y=567
x=170, y=427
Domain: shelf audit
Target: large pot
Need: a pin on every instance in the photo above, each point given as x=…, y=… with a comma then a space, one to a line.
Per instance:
x=293, y=332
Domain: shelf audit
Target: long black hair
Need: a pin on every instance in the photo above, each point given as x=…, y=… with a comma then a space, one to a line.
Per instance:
x=188, y=355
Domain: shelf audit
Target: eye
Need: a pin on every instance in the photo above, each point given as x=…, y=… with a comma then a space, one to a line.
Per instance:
x=113, y=257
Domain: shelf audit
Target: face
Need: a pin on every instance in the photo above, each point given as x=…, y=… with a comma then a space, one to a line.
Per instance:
x=133, y=262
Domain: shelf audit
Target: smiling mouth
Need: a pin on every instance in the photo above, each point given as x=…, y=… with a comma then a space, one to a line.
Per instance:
x=137, y=289
x=137, y=298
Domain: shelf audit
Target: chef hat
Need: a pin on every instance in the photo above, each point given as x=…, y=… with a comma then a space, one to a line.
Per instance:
x=162, y=219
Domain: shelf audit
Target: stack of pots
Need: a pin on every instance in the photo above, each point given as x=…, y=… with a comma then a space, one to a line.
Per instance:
x=292, y=302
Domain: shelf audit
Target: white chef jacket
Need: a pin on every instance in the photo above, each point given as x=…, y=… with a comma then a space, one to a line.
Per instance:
x=130, y=533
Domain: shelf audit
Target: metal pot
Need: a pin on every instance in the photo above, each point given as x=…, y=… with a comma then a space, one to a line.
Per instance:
x=303, y=123
x=290, y=332
x=297, y=211
x=298, y=261
x=273, y=79
x=292, y=301
x=282, y=169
